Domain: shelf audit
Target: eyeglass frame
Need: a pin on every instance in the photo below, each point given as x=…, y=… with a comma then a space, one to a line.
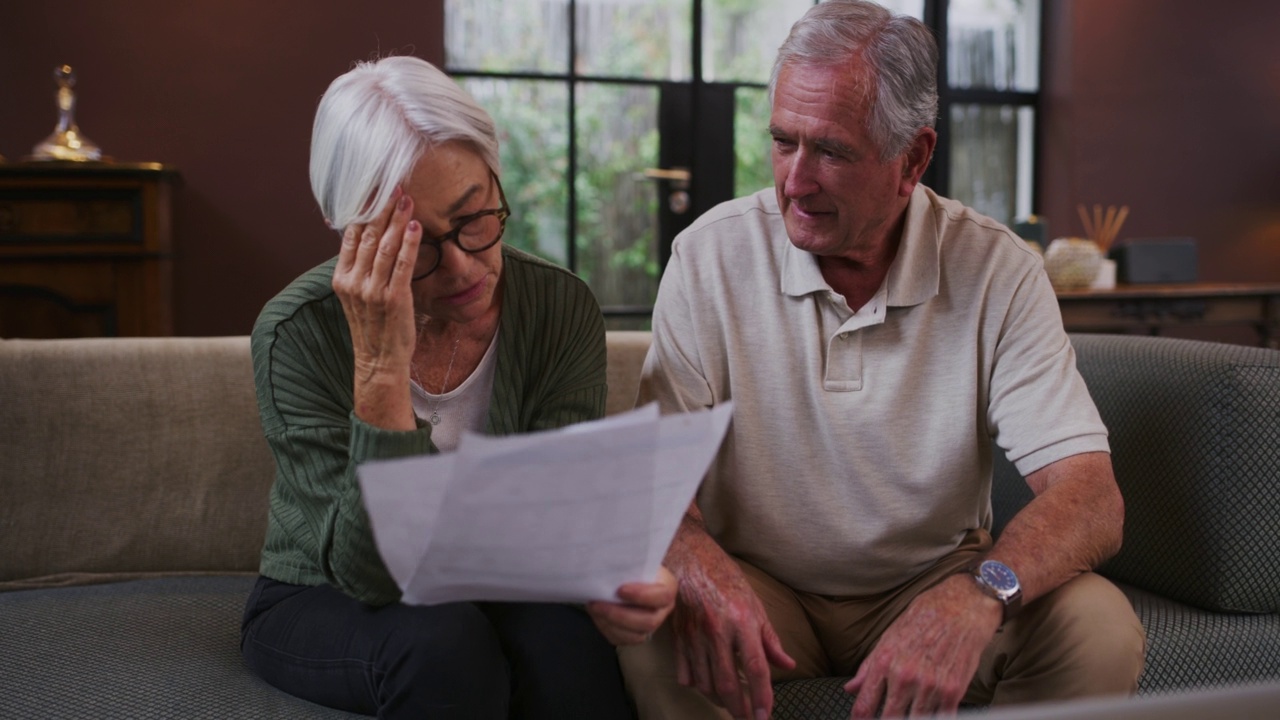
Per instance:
x=502, y=213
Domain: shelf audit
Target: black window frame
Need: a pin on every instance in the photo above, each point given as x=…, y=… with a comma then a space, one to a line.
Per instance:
x=937, y=175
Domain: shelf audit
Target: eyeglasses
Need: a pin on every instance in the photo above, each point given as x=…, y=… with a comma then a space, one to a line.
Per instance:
x=474, y=233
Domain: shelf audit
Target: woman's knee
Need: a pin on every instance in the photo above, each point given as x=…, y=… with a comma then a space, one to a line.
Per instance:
x=550, y=635
x=443, y=656
x=562, y=666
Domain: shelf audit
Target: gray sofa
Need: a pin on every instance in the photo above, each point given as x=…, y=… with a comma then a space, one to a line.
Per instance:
x=133, y=483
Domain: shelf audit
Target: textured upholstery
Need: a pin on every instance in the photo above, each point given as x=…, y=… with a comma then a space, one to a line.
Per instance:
x=1195, y=432
x=627, y=349
x=143, y=458
x=1189, y=647
x=157, y=649
x=809, y=699
x=129, y=457
x=1195, y=442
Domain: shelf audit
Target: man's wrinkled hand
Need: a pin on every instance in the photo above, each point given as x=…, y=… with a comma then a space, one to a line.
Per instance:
x=924, y=662
x=724, y=641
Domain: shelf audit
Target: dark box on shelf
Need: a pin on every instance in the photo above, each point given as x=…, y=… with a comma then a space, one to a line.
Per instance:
x=1155, y=260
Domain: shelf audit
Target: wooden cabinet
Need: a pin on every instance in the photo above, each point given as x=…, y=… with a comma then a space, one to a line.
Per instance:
x=86, y=249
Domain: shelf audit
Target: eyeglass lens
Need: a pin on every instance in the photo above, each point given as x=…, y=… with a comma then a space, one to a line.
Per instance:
x=476, y=235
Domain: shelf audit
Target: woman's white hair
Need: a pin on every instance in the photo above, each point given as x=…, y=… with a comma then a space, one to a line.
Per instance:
x=900, y=52
x=373, y=125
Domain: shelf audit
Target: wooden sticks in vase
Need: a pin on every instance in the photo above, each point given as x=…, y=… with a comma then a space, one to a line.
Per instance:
x=1103, y=228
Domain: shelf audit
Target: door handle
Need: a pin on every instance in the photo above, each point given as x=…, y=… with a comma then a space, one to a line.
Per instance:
x=678, y=199
x=678, y=176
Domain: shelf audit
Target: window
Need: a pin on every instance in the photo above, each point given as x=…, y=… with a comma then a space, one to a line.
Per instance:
x=623, y=120
x=988, y=90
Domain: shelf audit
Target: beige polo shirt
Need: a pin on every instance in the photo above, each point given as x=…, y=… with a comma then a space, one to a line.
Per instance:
x=860, y=449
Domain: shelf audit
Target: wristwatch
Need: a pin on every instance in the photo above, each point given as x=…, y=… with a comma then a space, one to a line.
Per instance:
x=997, y=580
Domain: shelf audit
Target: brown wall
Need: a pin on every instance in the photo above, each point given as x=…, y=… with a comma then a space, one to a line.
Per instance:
x=224, y=90
x=1173, y=108
x=1169, y=106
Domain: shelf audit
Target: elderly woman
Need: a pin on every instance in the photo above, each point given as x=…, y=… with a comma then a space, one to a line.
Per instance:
x=423, y=326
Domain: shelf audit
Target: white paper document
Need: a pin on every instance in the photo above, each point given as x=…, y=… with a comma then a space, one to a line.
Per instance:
x=565, y=515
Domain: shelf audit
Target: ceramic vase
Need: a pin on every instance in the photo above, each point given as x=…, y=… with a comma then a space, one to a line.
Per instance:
x=1072, y=263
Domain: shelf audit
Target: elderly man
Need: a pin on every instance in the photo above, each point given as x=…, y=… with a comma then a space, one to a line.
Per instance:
x=874, y=338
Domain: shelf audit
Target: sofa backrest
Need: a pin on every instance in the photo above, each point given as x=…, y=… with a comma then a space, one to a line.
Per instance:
x=626, y=351
x=127, y=457
x=1195, y=442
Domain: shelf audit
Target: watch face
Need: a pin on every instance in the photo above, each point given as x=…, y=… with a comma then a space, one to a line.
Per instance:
x=998, y=576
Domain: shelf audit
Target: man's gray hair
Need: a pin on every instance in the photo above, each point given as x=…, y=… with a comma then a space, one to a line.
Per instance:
x=373, y=125
x=900, y=52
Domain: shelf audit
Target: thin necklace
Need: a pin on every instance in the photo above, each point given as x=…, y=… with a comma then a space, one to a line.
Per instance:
x=435, y=414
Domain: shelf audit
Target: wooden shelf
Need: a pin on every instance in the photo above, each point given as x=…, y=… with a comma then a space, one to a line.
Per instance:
x=1153, y=308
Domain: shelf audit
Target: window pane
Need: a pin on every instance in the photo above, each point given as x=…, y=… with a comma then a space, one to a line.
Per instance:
x=507, y=35
x=991, y=159
x=994, y=44
x=914, y=8
x=617, y=206
x=532, y=119
x=741, y=37
x=753, y=168
x=635, y=38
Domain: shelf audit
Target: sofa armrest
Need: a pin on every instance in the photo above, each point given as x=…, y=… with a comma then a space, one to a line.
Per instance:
x=1195, y=442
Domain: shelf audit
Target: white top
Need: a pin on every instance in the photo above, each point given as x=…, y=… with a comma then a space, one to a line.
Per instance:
x=466, y=407
x=860, y=450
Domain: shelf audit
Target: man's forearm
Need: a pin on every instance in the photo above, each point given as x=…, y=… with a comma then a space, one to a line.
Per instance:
x=1074, y=524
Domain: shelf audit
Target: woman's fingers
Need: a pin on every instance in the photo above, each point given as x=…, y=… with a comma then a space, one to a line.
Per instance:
x=347, y=251
x=369, y=240
x=372, y=280
x=618, y=626
x=633, y=622
x=649, y=595
x=408, y=259
x=391, y=243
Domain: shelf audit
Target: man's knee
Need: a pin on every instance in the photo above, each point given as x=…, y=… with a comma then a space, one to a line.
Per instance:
x=650, y=672
x=1109, y=638
x=1083, y=639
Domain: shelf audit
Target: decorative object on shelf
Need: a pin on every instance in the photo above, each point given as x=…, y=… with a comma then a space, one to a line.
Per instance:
x=1104, y=227
x=1034, y=230
x=1106, y=278
x=66, y=142
x=1072, y=263
x=1157, y=260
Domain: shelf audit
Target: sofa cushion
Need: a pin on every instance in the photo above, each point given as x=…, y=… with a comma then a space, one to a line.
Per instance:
x=1188, y=647
x=159, y=648
x=129, y=456
x=1195, y=442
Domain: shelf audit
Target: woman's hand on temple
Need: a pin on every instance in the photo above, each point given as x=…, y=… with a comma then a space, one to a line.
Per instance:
x=642, y=610
x=372, y=281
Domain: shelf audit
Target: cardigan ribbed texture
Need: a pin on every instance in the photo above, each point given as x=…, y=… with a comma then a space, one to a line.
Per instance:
x=550, y=373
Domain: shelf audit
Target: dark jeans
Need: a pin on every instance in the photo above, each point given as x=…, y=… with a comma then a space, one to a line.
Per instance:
x=459, y=660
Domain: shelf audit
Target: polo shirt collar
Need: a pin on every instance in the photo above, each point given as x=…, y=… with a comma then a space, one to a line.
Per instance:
x=913, y=276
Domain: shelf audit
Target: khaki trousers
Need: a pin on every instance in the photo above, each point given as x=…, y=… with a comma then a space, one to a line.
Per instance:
x=1083, y=639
